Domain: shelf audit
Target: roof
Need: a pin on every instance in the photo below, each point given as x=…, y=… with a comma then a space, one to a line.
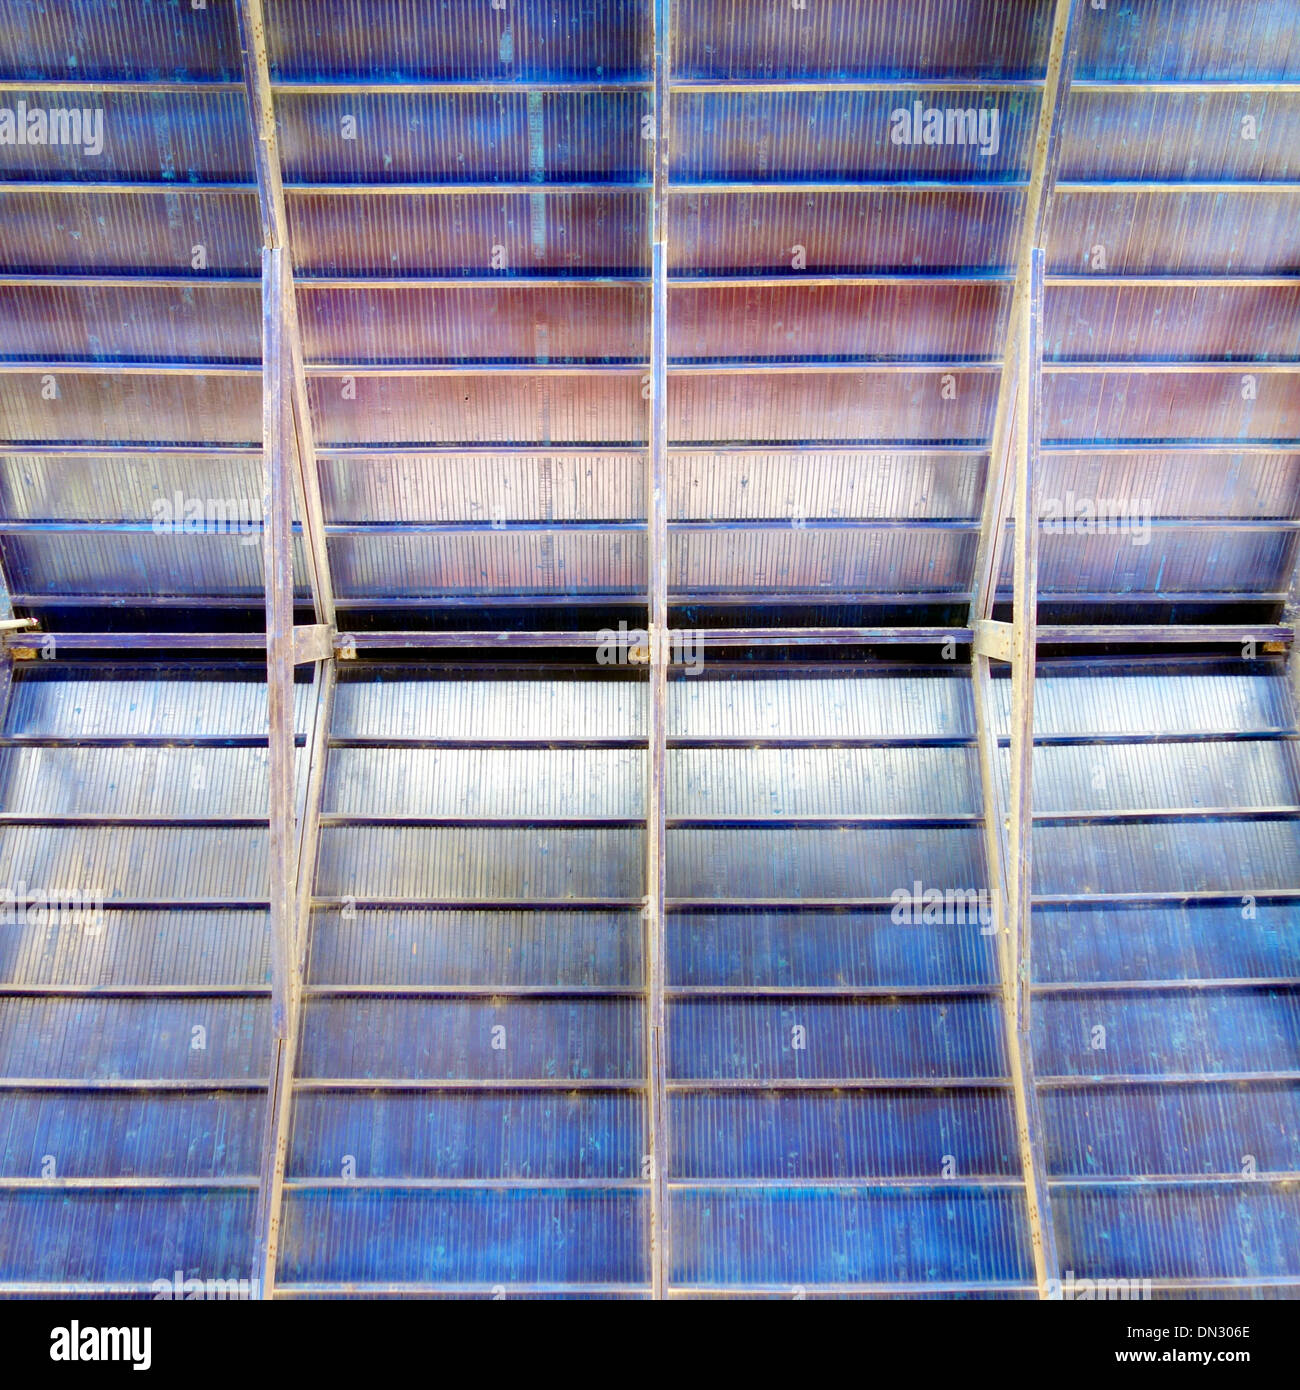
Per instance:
x=473, y=281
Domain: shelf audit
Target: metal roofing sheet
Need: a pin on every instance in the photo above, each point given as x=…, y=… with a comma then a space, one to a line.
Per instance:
x=64, y=702
x=508, y=111
x=467, y=1135
x=98, y=1237
x=140, y=949
x=473, y=948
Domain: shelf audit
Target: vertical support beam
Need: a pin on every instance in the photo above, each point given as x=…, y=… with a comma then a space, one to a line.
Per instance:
x=1008, y=821
x=657, y=579
x=292, y=474
x=295, y=791
x=282, y=852
x=1019, y=855
x=279, y=1119
x=275, y=233
x=1012, y=453
x=1024, y=629
x=1042, y=176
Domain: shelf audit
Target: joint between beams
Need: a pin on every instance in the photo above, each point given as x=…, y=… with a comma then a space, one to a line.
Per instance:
x=994, y=639
x=313, y=642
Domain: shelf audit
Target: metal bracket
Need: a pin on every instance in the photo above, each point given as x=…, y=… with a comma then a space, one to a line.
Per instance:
x=993, y=639
x=314, y=642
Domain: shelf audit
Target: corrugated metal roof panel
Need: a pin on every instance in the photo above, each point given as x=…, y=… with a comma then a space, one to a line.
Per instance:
x=486, y=409
x=1100, y=406
x=160, y=232
x=118, y=1038
x=927, y=320
x=134, y=781
x=463, y=137
x=133, y=863
x=532, y=41
x=227, y=950
x=891, y=229
x=107, y=1134
x=792, y=1238
x=476, y=948
x=488, y=562
x=809, y=950
x=67, y=702
x=469, y=783
x=883, y=1134
x=793, y=557
x=821, y=706
x=122, y=407
x=1166, y=775
x=1097, y=1132
x=1231, y=857
x=830, y=134
x=1193, y=942
x=197, y=136
x=1136, y=231
x=419, y=705
x=447, y=1039
x=67, y=38
x=466, y=1135
x=483, y=487
x=468, y=866
x=1178, y=135
x=132, y=323
x=128, y=487
x=854, y=38
x=1091, y=323
x=791, y=484
x=1123, y=556
x=821, y=781
x=1172, y=484
x=1196, y=39
x=510, y=323
x=99, y=1237
x=1135, y=701
x=1241, y=1231
x=148, y=564
x=458, y=233
x=459, y=1237
x=820, y=863
x=897, y=1039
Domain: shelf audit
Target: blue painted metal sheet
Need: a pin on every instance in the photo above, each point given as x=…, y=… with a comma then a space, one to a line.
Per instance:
x=470, y=1136
x=185, y=1135
x=100, y=1237
x=873, y=1134
x=478, y=1238
x=476, y=949
x=825, y=950
x=947, y=1234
